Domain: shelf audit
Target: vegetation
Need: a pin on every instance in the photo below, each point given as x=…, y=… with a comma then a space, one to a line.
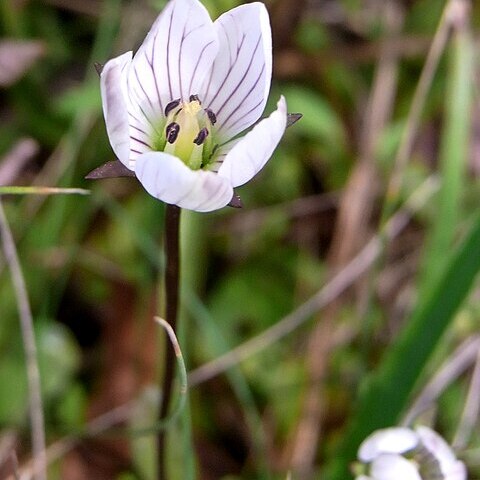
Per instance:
x=342, y=298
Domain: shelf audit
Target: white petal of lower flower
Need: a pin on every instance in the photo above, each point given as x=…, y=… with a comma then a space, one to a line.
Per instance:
x=167, y=178
x=363, y=477
x=387, y=440
x=457, y=471
x=437, y=446
x=450, y=467
x=393, y=467
x=174, y=58
x=113, y=86
x=237, y=88
x=251, y=153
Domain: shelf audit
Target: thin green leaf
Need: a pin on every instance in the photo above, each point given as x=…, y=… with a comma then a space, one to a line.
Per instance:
x=445, y=284
x=13, y=190
x=453, y=157
x=389, y=390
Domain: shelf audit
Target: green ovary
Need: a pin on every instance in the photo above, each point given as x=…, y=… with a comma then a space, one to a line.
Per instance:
x=191, y=118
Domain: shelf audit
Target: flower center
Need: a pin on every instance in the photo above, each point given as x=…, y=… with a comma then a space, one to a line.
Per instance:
x=188, y=132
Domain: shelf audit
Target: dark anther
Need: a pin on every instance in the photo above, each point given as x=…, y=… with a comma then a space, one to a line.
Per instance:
x=202, y=135
x=211, y=116
x=171, y=106
x=172, y=132
x=194, y=98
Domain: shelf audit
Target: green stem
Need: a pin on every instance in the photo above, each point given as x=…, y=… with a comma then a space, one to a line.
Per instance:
x=172, y=271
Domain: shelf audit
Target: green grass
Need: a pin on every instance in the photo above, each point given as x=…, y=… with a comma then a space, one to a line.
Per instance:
x=92, y=251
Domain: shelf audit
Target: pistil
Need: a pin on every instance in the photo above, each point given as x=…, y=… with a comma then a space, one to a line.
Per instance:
x=188, y=132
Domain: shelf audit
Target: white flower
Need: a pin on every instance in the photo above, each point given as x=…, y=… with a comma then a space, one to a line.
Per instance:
x=387, y=440
x=390, y=466
x=404, y=454
x=173, y=112
x=433, y=445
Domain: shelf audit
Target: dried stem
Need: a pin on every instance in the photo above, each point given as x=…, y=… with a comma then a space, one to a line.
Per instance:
x=351, y=230
x=455, y=365
x=471, y=409
x=97, y=426
x=327, y=294
x=404, y=151
x=26, y=324
x=15, y=160
x=172, y=251
x=120, y=414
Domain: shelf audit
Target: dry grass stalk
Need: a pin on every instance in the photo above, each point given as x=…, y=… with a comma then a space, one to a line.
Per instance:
x=26, y=324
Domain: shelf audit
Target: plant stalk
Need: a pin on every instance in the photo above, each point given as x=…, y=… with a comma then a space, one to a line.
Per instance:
x=172, y=274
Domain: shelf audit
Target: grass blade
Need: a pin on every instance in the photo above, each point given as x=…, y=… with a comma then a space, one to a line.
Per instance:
x=14, y=190
x=453, y=157
x=389, y=389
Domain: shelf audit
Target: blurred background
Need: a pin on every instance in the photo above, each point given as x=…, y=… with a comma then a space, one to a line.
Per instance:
x=391, y=127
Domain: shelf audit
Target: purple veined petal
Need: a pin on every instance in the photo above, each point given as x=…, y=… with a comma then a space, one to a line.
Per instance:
x=174, y=58
x=251, y=153
x=237, y=87
x=221, y=153
x=113, y=87
x=167, y=178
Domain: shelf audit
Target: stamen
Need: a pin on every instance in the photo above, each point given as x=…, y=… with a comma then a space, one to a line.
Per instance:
x=172, y=105
x=211, y=116
x=202, y=135
x=172, y=132
x=194, y=98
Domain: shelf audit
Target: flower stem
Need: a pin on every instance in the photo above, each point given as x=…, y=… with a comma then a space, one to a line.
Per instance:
x=172, y=273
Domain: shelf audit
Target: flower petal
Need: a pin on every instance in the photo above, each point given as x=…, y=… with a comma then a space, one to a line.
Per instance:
x=251, y=153
x=393, y=467
x=167, y=178
x=387, y=440
x=237, y=88
x=440, y=450
x=457, y=471
x=174, y=58
x=113, y=87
